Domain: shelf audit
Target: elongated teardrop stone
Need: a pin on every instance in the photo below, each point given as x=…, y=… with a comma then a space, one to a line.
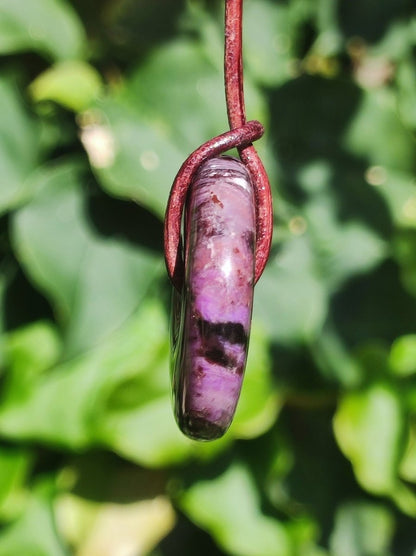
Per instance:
x=210, y=335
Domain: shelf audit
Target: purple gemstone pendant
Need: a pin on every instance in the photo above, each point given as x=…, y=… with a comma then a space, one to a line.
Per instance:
x=212, y=316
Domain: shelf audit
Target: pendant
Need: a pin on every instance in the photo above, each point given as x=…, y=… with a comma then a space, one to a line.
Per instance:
x=211, y=317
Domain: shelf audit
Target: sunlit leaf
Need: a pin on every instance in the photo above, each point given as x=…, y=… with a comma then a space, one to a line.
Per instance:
x=237, y=523
x=106, y=529
x=15, y=463
x=32, y=349
x=408, y=463
x=403, y=355
x=368, y=428
x=73, y=84
x=362, y=528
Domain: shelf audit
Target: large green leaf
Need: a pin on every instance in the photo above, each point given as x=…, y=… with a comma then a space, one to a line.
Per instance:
x=94, y=283
x=50, y=27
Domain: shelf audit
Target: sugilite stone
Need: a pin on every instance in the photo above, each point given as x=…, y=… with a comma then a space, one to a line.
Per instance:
x=212, y=316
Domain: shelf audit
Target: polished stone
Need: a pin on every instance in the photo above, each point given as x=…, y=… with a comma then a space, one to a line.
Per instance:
x=213, y=314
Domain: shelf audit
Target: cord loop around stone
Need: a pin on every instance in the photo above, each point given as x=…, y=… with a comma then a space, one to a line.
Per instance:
x=240, y=138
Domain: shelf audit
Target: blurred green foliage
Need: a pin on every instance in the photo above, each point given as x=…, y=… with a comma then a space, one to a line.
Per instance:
x=101, y=102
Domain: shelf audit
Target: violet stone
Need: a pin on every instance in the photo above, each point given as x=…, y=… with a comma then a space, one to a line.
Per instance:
x=211, y=318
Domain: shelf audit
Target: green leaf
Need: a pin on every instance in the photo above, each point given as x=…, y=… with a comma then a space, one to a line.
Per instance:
x=146, y=434
x=406, y=80
x=30, y=351
x=333, y=358
x=373, y=360
x=408, y=462
x=268, y=54
x=34, y=534
x=291, y=302
x=194, y=86
x=14, y=466
x=368, y=427
x=403, y=355
x=73, y=84
x=336, y=243
x=329, y=40
x=50, y=27
x=375, y=120
x=237, y=523
x=18, y=147
x=362, y=528
x=404, y=250
x=94, y=283
x=132, y=156
x=399, y=191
